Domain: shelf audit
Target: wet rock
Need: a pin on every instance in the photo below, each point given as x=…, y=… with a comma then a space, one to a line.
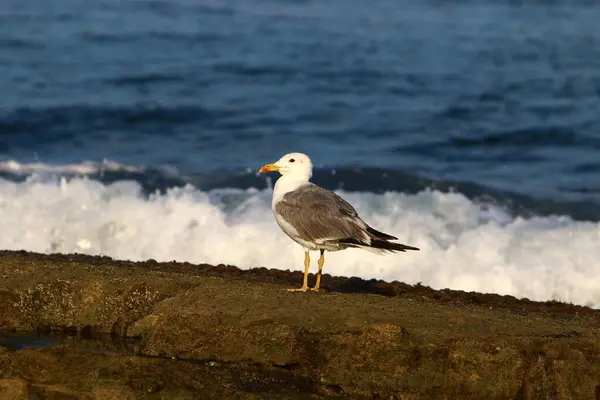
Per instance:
x=14, y=389
x=18, y=389
x=219, y=332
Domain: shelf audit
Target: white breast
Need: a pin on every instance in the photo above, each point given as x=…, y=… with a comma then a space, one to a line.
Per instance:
x=284, y=185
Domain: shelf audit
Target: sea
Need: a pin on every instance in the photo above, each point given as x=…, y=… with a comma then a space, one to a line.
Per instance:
x=468, y=128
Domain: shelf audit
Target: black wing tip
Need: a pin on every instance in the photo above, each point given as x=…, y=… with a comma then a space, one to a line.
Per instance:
x=381, y=241
x=412, y=248
x=380, y=244
x=385, y=245
x=380, y=235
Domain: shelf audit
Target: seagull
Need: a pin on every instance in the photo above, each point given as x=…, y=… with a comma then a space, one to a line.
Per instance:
x=319, y=219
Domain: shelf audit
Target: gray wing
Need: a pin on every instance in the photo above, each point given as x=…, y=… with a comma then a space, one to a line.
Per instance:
x=320, y=215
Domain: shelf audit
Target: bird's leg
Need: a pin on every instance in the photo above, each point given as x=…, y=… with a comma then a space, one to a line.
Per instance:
x=321, y=262
x=304, y=287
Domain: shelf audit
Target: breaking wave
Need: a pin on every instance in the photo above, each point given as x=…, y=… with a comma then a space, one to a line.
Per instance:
x=465, y=244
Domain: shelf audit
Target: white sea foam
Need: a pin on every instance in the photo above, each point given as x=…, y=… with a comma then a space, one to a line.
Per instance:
x=463, y=245
x=83, y=168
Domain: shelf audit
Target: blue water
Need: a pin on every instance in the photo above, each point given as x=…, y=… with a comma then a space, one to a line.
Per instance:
x=22, y=341
x=496, y=99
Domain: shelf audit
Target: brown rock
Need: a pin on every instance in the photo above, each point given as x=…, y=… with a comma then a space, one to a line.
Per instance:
x=14, y=389
x=220, y=332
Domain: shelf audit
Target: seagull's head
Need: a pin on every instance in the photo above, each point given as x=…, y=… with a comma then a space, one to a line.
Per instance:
x=296, y=164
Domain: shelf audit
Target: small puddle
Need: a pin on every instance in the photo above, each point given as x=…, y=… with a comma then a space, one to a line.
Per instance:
x=22, y=341
x=106, y=343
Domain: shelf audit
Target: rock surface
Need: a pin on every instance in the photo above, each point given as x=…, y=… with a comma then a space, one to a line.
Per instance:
x=216, y=332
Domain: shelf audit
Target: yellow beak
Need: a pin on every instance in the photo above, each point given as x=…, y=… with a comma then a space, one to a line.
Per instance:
x=268, y=168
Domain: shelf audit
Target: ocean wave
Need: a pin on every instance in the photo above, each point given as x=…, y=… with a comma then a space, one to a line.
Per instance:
x=145, y=79
x=161, y=178
x=55, y=123
x=83, y=168
x=540, y=137
x=464, y=245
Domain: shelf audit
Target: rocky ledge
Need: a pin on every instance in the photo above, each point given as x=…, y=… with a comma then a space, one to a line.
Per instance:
x=126, y=330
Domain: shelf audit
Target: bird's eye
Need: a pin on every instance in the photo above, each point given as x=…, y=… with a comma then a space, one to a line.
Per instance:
x=292, y=160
